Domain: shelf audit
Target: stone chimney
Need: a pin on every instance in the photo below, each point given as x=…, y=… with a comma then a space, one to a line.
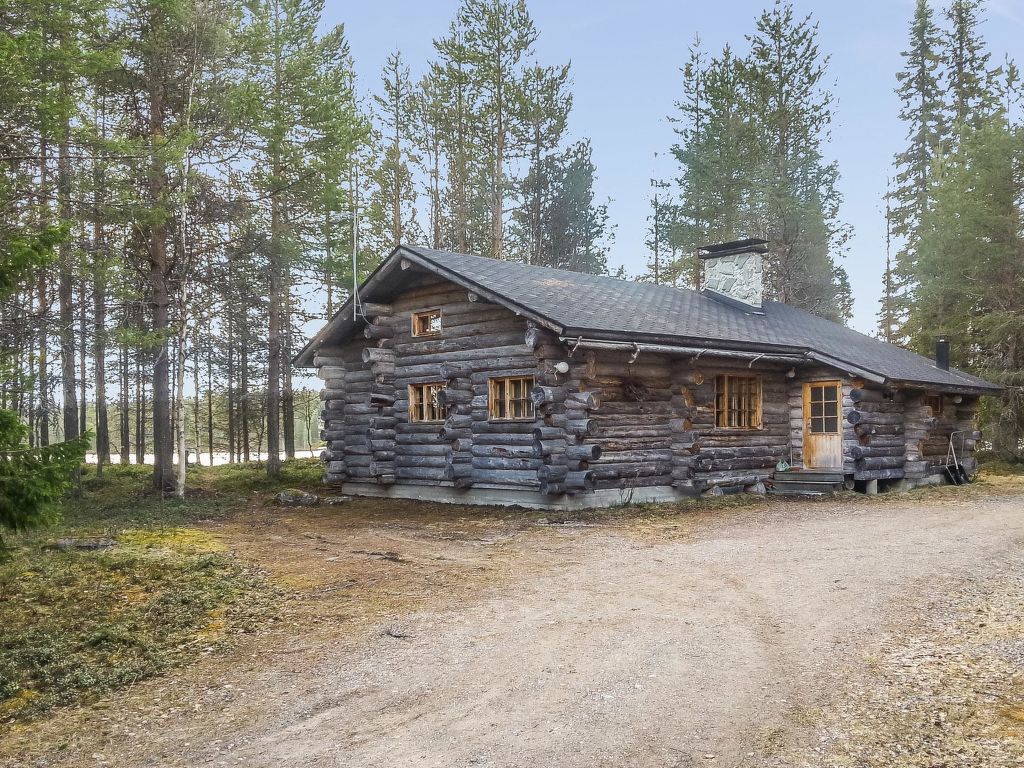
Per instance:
x=734, y=272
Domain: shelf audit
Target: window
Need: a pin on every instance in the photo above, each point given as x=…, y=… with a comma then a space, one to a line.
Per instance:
x=426, y=323
x=823, y=417
x=423, y=402
x=738, y=402
x=509, y=398
x=935, y=403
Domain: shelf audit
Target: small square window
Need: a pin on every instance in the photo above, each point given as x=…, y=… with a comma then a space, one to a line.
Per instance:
x=423, y=404
x=509, y=398
x=427, y=323
x=935, y=403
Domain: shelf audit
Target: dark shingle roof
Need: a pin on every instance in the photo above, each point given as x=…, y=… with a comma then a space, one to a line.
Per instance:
x=596, y=303
x=598, y=306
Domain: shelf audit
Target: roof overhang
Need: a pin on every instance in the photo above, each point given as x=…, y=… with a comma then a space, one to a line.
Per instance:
x=390, y=277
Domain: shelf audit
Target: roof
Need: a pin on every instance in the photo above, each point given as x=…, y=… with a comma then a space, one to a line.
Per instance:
x=601, y=307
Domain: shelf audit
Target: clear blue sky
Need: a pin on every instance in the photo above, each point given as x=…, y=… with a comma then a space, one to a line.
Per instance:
x=625, y=66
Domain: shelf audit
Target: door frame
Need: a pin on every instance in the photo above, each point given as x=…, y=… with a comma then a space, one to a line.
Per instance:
x=808, y=435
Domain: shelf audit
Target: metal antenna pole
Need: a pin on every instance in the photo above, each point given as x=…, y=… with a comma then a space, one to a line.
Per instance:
x=356, y=303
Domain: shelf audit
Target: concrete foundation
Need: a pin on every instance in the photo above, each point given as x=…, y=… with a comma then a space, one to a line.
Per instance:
x=519, y=497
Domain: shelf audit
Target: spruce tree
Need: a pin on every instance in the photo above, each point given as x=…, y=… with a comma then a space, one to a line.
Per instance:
x=921, y=97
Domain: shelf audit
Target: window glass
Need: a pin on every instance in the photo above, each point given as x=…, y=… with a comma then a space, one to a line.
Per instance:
x=423, y=402
x=738, y=402
x=427, y=323
x=509, y=398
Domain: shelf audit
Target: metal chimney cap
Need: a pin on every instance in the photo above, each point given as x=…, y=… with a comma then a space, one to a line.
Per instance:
x=748, y=245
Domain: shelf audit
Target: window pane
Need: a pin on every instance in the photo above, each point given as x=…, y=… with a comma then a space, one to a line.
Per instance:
x=832, y=424
x=816, y=409
x=832, y=408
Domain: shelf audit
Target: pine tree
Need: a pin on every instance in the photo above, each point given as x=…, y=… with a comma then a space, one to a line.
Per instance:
x=750, y=154
x=306, y=128
x=798, y=192
x=546, y=107
x=395, y=196
x=570, y=230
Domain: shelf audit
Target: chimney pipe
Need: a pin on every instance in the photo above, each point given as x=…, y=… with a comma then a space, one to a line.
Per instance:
x=942, y=353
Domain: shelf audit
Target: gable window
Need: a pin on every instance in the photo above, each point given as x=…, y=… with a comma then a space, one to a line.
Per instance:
x=738, y=402
x=427, y=323
x=508, y=398
x=423, y=402
x=935, y=403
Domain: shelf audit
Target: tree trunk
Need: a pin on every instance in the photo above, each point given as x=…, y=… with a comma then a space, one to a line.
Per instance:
x=99, y=347
x=209, y=401
x=82, y=355
x=163, y=471
x=287, y=393
x=123, y=405
x=43, y=420
x=66, y=332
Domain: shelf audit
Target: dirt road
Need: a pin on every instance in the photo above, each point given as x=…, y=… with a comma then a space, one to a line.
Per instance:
x=846, y=632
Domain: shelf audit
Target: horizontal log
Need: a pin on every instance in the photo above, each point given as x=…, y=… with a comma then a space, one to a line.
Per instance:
x=859, y=395
x=878, y=474
x=588, y=452
x=876, y=451
x=709, y=464
x=588, y=400
x=495, y=462
x=378, y=355
x=548, y=433
x=548, y=447
x=881, y=462
x=860, y=417
x=542, y=395
x=419, y=473
x=373, y=309
x=552, y=473
x=454, y=370
x=447, y=397
x=522, y=477
x=583, y=480
x=378, y=331
x=503, y=451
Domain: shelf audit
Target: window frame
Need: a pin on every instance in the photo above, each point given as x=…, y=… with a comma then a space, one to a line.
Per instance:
x=507, y=400
x=931, y=400
x=418, y=404
x=426, y=314
x=722, y=389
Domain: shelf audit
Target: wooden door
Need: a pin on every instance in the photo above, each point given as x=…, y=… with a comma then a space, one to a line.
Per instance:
x=823, y=425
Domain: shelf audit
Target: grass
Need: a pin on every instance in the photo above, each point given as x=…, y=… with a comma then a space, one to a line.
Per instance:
x=78, y=623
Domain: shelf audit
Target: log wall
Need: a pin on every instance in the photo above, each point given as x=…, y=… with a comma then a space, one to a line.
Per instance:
x=928, y=433
x=604, y=419
x=366, y=389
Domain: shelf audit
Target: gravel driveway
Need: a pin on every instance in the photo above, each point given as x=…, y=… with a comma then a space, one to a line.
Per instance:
x=846, y=632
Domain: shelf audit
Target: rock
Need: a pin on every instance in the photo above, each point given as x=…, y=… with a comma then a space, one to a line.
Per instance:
x=296, y=498
x=335, y=501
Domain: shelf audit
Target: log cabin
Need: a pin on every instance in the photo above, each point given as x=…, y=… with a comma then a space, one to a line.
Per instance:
x=457, y=378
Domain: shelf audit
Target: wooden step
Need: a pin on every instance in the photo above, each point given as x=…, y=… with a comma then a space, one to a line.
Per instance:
x=804, y=486
x=776, y=492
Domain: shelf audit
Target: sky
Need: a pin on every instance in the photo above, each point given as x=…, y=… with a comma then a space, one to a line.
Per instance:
x=626, y=58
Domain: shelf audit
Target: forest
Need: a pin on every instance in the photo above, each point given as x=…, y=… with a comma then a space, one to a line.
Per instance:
x=187, y=184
